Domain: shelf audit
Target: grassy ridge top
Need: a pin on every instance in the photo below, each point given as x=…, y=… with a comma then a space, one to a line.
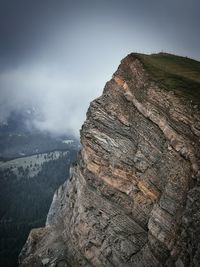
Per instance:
x=180, y=74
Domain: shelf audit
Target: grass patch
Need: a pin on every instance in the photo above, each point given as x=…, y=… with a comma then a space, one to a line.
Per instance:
x=171, y=72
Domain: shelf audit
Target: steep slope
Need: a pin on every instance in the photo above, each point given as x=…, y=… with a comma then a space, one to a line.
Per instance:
x=133, y=198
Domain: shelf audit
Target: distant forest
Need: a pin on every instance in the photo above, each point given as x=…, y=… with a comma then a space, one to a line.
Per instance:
x=24, y=204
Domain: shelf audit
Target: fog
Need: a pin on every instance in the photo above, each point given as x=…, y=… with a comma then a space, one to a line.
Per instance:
x=56, y=56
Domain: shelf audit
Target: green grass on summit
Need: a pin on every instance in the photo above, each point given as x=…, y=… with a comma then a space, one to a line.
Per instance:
x=171, y=72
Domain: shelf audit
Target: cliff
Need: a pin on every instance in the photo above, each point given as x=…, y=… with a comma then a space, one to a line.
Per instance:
x=133, y=198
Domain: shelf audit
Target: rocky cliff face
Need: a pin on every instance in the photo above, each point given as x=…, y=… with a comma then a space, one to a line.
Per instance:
x=133, y=198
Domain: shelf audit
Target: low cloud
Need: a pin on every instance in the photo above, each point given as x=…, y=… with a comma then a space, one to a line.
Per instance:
x=60, y=101
x=57, y=57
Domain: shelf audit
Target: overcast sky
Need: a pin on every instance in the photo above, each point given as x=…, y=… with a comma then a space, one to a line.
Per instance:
x=57, y=55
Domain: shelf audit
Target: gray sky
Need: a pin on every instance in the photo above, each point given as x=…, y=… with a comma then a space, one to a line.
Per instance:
x=58, y=54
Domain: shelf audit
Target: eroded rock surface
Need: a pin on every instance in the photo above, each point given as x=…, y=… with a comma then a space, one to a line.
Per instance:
x=133, y=198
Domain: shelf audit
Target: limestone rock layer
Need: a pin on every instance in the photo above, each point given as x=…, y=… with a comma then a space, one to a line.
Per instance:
x=133, y=198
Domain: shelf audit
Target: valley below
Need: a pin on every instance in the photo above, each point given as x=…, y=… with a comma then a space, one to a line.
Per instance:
x=32, y=167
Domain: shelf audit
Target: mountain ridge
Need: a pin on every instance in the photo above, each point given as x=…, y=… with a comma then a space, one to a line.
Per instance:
x=133, y=196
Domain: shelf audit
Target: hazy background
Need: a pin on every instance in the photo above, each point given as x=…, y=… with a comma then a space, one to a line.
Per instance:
x=56, y=55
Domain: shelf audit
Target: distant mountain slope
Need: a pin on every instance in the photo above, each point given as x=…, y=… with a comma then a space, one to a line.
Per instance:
x=19, y=138
x=27, y=186
x=33, y=165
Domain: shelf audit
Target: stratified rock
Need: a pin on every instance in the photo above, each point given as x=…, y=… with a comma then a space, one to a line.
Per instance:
x=133, y=198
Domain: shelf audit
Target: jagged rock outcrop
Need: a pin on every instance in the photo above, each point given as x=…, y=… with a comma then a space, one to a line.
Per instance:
x=133, y=198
